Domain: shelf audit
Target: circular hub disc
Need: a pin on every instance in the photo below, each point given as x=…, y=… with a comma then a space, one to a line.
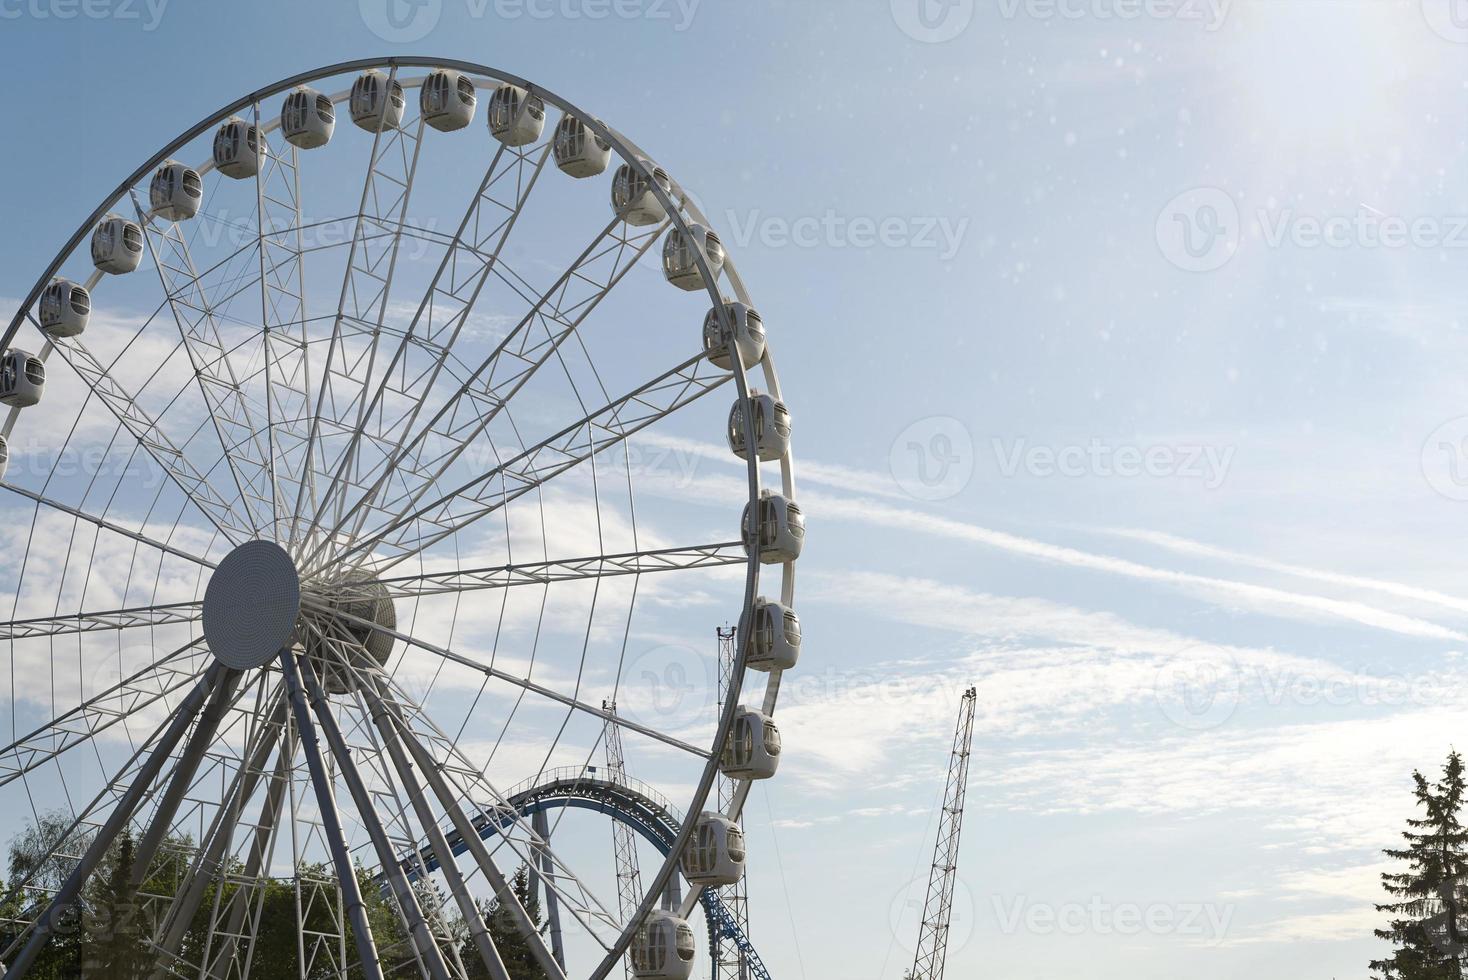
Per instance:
x=251, y=605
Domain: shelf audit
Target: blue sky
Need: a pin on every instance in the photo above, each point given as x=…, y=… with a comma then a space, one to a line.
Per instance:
x=1124, y=343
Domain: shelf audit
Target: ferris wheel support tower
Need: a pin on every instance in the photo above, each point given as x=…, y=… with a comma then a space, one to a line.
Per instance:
x=932, y=949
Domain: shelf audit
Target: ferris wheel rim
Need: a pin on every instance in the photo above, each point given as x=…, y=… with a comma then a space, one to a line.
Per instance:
x=641, y=163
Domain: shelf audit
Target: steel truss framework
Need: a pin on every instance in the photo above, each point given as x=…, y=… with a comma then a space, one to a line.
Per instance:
x=366, y=422
x=932, y=949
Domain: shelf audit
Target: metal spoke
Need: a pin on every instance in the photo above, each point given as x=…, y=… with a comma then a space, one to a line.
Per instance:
x=172, y=614
x=363, y=302
x=559, y=311
x=443, y=854
x=460, y=580
x=48, y=921
x=607, y=426
x=219, y=385
x=287, y=369
x=423, y=941
x=327, y=612
x=209, y=862
x=96, y=715
x=346, y=873
x=375, y=691
x=105, y=524
x=149, y=434
x=441, y=316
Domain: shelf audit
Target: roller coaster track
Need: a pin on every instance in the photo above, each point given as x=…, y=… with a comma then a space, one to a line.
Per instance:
x=624, y=799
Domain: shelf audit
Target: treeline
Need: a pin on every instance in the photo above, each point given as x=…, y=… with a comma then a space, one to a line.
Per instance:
x=108, y=933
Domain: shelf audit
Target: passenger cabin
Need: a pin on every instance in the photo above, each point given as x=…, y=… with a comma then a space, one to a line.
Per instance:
x=716, y=852
x=663, y=948
x=780, y=533
x=771, y=423
x=376, y=104
x=680, y=256
x=117, y=245
x=447, y=100
x=176, y=192
x=774, y=640
x=22, y=379
x=307, y=118
x=752, y=750
x=239, y=149
x=633, y=197
x=65, y=309
x=579, y=151
x=748, y=339
x=516, y=117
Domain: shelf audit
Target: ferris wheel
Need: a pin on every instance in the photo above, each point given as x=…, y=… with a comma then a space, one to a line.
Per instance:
x=333, y=509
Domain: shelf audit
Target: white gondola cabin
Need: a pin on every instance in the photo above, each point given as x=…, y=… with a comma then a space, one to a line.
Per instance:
x=633, y=197
x=753, y=748
x=22, y=379
x=516, y=117
x=4, y=456
x=579, y=151
x=65, y=309
x=748, y=339
x=680, y=256
x=117, y=245
x=239, y=149
x=774, y=639
x=447, y=100
x=376, y=105
x=716, y=852
x=771, y=427
x=176, y=192
x=307, y=118
x=781, y=531
x=663, y=948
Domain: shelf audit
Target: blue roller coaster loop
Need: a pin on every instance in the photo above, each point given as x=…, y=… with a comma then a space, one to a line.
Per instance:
x=622, y=798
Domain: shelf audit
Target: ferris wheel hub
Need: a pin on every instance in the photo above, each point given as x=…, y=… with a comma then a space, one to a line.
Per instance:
x=251, y=605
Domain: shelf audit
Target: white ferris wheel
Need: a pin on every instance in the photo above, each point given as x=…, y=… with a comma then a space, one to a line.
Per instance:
x=333, y=507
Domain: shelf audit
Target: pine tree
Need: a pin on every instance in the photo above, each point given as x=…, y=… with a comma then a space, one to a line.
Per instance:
x=1428, y=929
x=506, y=935
x=114, y=943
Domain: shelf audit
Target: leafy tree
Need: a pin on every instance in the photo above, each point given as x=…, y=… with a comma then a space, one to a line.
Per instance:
x=1429, y=930
x=105, y=934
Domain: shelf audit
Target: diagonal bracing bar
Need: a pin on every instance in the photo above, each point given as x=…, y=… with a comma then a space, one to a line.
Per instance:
x=372, y=689
x=121, y=813
x=356, y=911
